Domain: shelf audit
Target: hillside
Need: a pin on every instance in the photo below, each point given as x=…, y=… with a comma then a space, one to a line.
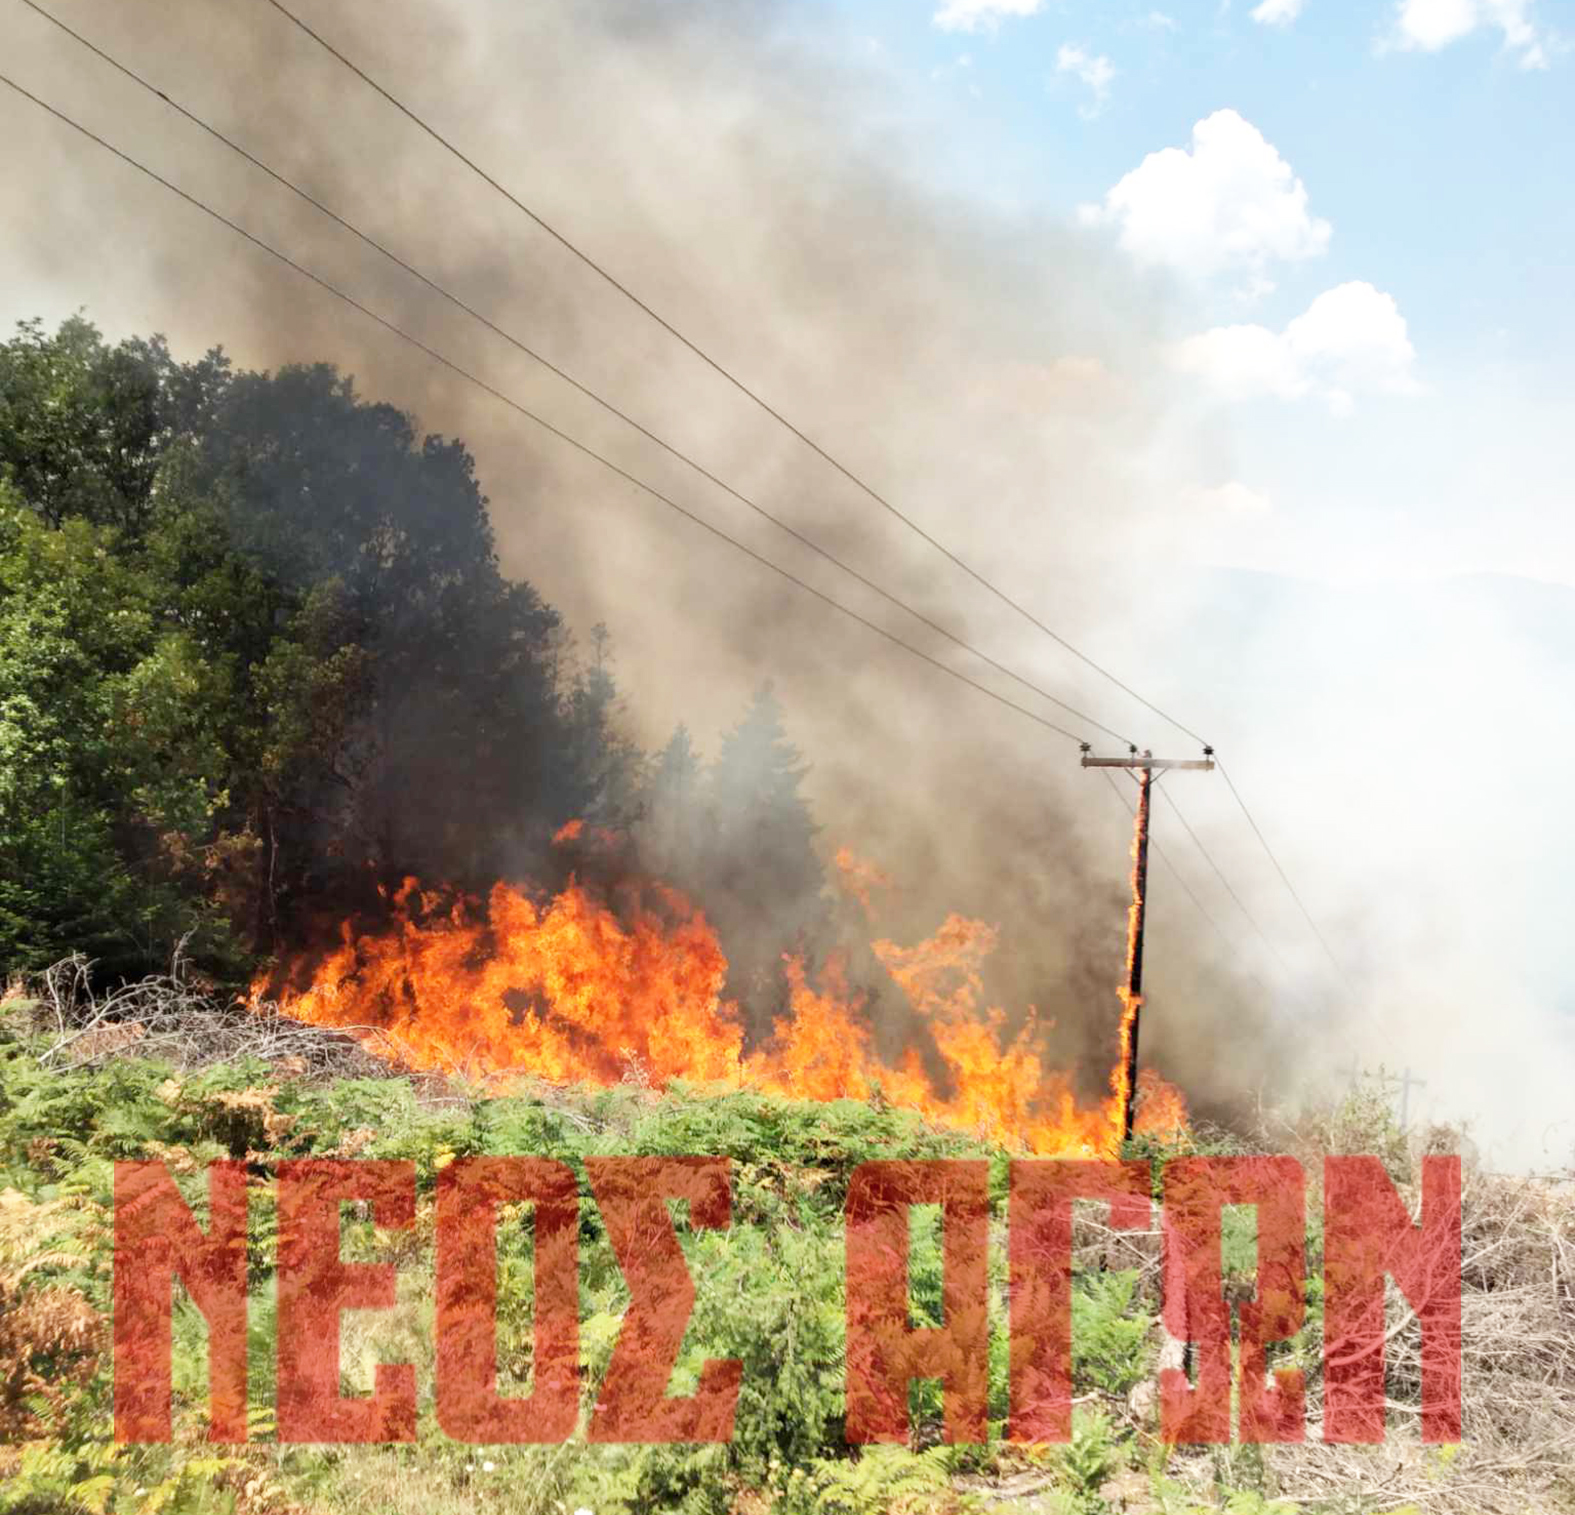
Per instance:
x=769, y=1293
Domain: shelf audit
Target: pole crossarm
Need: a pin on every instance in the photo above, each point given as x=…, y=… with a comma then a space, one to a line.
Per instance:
x=1146, y=761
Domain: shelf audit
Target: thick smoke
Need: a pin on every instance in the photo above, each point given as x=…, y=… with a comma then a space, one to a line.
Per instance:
x=764, y=186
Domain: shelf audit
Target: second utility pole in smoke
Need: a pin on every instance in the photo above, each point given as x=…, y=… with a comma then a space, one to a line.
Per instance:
x=1146, y=764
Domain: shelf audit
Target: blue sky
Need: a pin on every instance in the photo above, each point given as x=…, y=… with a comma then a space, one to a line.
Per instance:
x=1428, y=147
x=1362, y=226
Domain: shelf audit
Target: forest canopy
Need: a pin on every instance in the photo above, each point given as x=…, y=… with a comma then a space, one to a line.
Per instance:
x=258, y=656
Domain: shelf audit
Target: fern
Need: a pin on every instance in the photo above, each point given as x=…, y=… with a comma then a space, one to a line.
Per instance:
x=53, y=1480
x=881, y=1481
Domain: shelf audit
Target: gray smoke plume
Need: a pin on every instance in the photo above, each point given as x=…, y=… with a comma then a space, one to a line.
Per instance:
x=771, y=190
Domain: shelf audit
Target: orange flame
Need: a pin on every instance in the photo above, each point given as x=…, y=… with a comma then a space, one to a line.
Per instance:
x=860, y=878
x=567, y=989
x=1131, y=1004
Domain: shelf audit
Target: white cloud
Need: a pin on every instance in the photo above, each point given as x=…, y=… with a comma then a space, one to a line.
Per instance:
x=1091, y=69
x=1228, y=203
x=1428, y=25
x=1351, y=339
x=981, y=15
x=1242, y=361
x=1154, y=21
x=1277, y=12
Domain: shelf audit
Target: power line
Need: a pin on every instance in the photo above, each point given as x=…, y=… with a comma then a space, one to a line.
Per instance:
x=803, y=437
x=731, y=378
x=1197, y=842
x=1159, y=852
x=1249, y=974
x=1252, y=977
x=724, y=373
x=569, y=378
x=1378, y=1021
x=531, y=415
x=1285, y=879
x=1187, y=888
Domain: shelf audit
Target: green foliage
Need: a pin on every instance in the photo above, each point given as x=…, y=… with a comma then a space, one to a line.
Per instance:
x=877, y=1481
x=246, y=621
x=1173, y=1498
x=1089, y=1458
x=257, y=655
x=105, y=724
x=769, y=1288
x=1365, y=1121
x=1250, y=1502
x=55, y=1480
x=83, y=425
x=1109, y=1332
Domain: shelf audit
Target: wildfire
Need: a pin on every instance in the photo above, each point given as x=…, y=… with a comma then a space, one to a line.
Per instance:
x=568, y=989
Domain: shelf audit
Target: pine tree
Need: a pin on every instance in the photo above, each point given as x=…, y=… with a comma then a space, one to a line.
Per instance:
x=763, y=880
x=602, y=765
x=672, y=813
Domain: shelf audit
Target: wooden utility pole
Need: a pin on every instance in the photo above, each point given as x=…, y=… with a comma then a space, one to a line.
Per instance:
x=1146, y=765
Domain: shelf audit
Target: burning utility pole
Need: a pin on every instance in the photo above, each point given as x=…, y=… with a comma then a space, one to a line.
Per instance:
x=1145, y=764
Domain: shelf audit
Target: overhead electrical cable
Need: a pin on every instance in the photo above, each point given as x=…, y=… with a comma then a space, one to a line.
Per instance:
x=1284, y=877
x=1187, y=888
x=725, y=373
x=1197, y=842
x=880, y=499
x=531, y=415
x=1219, y=931
x=519, y=345
x=738, y=384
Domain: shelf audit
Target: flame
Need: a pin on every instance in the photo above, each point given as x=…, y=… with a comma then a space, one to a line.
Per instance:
x=569, y=989
x=860, y=878
x=589, y=837
x=1120, y=1088
x=1162, y=1108
x=1131, y=1004
x=563, y=987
